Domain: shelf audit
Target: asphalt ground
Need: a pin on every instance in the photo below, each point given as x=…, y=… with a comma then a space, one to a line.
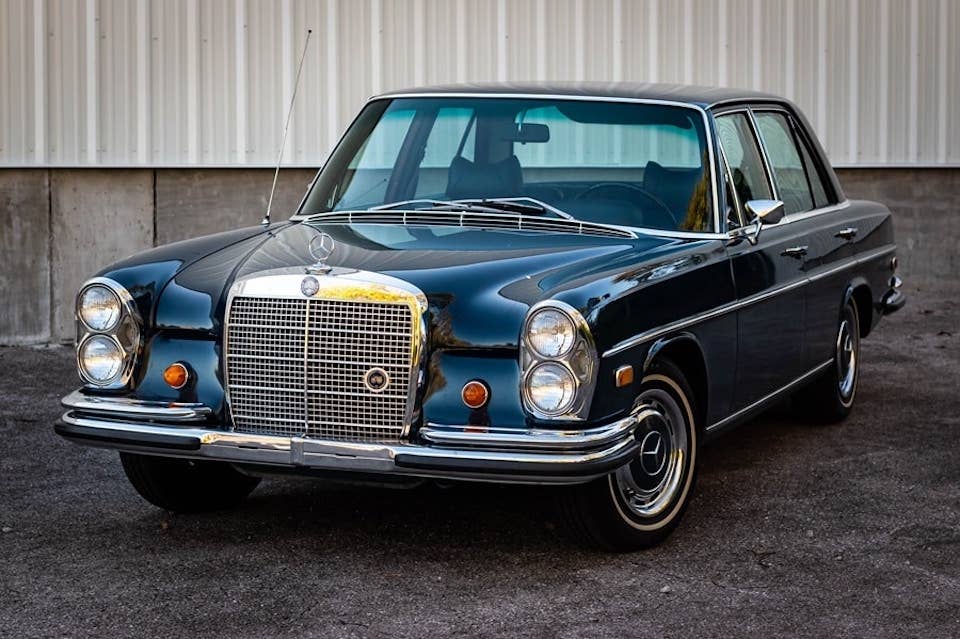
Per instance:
x=795, y=530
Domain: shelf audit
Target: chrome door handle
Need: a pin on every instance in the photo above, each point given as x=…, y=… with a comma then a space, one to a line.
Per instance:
x=847, y=234
x=795, y=251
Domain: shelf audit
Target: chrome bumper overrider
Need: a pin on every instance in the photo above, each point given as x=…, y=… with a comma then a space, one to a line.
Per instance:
x=455, y=452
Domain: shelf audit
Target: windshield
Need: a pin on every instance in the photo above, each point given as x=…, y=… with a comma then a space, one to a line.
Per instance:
x=630, y=164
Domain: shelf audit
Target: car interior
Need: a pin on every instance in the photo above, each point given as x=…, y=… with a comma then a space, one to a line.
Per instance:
x=493, y=154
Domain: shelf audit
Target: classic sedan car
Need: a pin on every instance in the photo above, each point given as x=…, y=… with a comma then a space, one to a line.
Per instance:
x=560, y=284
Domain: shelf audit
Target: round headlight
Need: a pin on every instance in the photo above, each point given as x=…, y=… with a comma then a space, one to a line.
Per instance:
x=99, y=308
x=101, y=359
x=551, y=388
x=551, y=333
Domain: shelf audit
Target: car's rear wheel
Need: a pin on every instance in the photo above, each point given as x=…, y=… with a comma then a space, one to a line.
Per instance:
x=187, y=486
x=640, y=504
x=830, y=398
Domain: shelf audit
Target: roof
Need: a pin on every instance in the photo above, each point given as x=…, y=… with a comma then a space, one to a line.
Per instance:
x=697, y=95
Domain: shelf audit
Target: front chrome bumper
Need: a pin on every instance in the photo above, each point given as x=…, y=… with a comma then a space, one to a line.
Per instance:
x=451, y=452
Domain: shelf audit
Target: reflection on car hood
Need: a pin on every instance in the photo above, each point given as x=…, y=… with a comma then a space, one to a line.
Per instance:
x=479, y=283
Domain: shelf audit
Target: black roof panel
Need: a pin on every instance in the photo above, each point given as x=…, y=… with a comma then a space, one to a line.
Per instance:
x=690, y=94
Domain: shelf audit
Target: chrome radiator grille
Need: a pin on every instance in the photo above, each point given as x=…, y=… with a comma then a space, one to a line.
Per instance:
x=297, y=367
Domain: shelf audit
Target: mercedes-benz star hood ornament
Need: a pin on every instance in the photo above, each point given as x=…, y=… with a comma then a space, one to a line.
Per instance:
x=321, y=247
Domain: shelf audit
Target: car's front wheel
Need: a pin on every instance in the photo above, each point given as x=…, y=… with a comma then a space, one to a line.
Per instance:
x=641, y=503
x=187, y=486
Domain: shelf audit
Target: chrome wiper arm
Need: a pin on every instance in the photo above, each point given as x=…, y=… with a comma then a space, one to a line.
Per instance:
x=401, y=203
x=522, y=205
x=517, y=205
x=476, y=206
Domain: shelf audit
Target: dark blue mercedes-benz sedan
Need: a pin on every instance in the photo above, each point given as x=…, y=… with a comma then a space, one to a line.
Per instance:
x=548, y=284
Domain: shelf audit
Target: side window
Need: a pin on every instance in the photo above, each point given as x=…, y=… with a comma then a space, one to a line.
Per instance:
x=743, y=156
x=820, y=197
x=788, y=167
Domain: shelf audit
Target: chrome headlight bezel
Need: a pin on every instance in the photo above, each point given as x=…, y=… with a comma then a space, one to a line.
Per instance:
x=125, y=333
x=580, y=360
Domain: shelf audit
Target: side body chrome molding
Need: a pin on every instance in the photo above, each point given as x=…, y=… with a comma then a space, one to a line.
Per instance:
x=660, y=331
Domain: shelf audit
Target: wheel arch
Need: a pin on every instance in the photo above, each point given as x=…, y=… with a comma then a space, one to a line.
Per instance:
x=859, y=291
x=685, y=351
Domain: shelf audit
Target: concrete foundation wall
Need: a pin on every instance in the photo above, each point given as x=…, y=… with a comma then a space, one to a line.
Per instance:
x=97, y=217
x=59, y=226
x=926, y=209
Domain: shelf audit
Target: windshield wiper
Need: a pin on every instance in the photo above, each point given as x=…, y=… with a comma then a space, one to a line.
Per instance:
x=522, y=205
x=421, y=204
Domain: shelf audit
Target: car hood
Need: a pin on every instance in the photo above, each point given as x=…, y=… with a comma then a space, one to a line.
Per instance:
x=479, y=283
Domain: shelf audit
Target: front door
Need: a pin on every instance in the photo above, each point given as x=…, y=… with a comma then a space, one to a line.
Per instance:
x=769, y=275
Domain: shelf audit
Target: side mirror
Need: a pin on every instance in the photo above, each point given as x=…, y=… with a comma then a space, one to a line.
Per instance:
x=766, y=212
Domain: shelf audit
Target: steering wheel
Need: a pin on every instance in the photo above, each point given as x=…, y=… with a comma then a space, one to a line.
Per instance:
x=633, y=189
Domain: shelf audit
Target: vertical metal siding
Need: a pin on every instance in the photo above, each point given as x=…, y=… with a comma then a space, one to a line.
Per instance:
x=205, y=82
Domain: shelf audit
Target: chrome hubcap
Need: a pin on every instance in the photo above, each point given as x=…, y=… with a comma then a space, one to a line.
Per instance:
x=846, y=359
x=649, y=484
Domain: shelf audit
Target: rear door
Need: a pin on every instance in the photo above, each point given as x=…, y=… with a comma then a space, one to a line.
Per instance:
x=769, y=276
x=812, y=213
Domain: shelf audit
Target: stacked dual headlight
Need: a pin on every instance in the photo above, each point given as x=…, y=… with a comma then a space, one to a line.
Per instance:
x=558, y=361
x=108, y=333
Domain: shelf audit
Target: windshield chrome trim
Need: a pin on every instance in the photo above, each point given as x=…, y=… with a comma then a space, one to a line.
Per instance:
x=704, y=112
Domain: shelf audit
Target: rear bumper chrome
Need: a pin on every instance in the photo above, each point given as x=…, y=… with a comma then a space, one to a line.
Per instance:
x=894, y=299
x=450, y=452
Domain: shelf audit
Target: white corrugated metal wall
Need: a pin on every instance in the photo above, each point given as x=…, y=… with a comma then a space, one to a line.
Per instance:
x=205, y=82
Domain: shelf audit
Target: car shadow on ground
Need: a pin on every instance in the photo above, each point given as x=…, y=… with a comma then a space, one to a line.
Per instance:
x=435, y=514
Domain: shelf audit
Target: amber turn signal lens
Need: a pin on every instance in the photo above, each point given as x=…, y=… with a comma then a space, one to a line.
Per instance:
x=624, y=376
x=176, y=375
x=475, y=394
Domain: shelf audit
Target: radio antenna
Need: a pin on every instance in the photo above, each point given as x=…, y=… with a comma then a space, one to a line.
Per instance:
x=286, y=127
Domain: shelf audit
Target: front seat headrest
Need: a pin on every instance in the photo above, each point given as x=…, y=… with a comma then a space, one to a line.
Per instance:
x=467, y=180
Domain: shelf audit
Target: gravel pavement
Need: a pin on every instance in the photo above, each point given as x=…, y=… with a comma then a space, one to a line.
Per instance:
x=795, y=530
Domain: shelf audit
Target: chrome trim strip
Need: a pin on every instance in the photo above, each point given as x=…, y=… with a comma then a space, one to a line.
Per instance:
x=708, y=131
x=770, y=396
x=860, y=259
x=832, y=208
x=121, y=407
x=659, y=331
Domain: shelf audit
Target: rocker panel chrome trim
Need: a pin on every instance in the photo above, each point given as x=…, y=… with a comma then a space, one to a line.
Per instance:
x=769, y=397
